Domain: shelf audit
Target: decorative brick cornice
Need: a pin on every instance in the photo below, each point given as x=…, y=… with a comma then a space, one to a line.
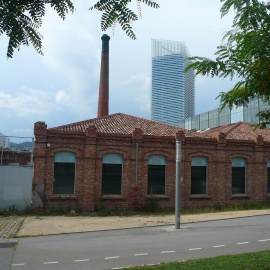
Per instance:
x=40, y=128
x=137, y=134
x=259, y=140
x=91, y=132
x=180, y=135
x=222, y=137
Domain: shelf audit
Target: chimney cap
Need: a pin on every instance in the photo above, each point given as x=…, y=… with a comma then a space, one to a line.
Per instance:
x=105, y=36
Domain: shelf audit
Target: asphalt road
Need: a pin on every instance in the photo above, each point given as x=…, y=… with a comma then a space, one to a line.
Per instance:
x=6, y=253
x=130, y=247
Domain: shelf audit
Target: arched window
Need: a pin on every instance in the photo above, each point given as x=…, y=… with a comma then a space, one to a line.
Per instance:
x=112, y=174
x=156, y=175
x=64, y=173
x=268, y=175
x=198, y=175
x=238, y=176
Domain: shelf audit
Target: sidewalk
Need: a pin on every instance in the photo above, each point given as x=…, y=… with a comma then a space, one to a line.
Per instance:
x=39, y=225
x=10, y=225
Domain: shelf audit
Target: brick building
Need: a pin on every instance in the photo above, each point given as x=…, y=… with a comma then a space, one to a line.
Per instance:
x=124, y=160
x=12, y=157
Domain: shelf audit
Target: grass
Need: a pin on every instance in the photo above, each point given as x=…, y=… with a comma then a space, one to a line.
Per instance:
x=247, y=261
x=150, y=208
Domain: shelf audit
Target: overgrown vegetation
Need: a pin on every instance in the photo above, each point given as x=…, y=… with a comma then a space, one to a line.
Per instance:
x=243, y=54
x=151, y=207
x=247, y=261
x=21, y=20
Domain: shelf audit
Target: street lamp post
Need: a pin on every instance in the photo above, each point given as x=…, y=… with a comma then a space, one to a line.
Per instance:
x=178, y=184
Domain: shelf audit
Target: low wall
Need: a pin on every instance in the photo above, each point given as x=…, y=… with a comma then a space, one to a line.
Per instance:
x=15, y=187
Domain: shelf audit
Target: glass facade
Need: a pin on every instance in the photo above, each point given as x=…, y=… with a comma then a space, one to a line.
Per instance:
x=172, y=90
x=216, y=118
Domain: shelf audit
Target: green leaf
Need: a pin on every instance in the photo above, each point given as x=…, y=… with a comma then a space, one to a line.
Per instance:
x=244, y=53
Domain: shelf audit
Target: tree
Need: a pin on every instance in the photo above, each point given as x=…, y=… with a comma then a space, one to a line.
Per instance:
x=116, y=11
x=20, y=20
x=245, y=54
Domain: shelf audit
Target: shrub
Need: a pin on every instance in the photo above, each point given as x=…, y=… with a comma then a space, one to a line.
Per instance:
x=151, y=204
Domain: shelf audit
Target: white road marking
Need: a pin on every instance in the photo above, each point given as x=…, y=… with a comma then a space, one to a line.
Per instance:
x=117, y=268
x=18, y=264
x=115, y=257
x=218, y=246
x=195, y=248
x=169, y=251
x=151, y=264
x=242, y=243
x=141, y=254
x=84, y=260
x=50, y=262
x=264, y=240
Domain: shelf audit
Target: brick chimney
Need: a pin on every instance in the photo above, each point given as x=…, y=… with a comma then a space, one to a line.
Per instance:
x=103, y=98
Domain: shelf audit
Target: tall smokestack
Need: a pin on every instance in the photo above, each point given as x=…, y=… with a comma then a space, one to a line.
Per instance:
x=103, y=99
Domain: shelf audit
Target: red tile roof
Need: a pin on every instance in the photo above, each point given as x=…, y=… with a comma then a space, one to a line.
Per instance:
x=239, y=131
x=120, y=123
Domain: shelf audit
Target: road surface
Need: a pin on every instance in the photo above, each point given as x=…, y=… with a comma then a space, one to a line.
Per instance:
x=143, y=246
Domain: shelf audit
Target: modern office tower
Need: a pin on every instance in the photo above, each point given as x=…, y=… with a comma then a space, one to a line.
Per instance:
x=172, y=90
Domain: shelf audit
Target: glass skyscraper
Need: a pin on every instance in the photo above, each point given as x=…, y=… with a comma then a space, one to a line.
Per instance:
x=172, y=90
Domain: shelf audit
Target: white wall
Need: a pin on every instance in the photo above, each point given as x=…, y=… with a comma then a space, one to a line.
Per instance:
x=4, y=141
x=15, y=187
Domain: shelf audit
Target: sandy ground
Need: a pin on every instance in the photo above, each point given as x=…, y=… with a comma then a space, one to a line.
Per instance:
x=33, y=226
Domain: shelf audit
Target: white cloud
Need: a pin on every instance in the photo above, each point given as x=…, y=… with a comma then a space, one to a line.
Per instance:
x=132, y=96
x=28, y=102
x=62, y=86
x=62, y=97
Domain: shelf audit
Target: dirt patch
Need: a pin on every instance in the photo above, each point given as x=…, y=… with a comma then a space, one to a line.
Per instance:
x=33, y=226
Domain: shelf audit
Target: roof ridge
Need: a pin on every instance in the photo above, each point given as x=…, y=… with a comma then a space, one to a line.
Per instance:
x=211, y=130
x=233, y=127
x=84, y=121
x=149, y=120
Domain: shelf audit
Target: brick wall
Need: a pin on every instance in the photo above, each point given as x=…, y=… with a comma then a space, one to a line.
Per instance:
x=90, y=146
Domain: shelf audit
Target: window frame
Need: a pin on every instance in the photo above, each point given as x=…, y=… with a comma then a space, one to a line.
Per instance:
x=245, y=174
x=156, y=160
x=203, y=159
x=54, y=171
x=111, y=156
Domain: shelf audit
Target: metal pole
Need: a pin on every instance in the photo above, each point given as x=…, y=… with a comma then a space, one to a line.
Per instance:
x=137, y=152
x=178, y=184
x=2, y=154
x=32, y=153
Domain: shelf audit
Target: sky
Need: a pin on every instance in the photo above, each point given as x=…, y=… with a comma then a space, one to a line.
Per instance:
x=62, y=86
